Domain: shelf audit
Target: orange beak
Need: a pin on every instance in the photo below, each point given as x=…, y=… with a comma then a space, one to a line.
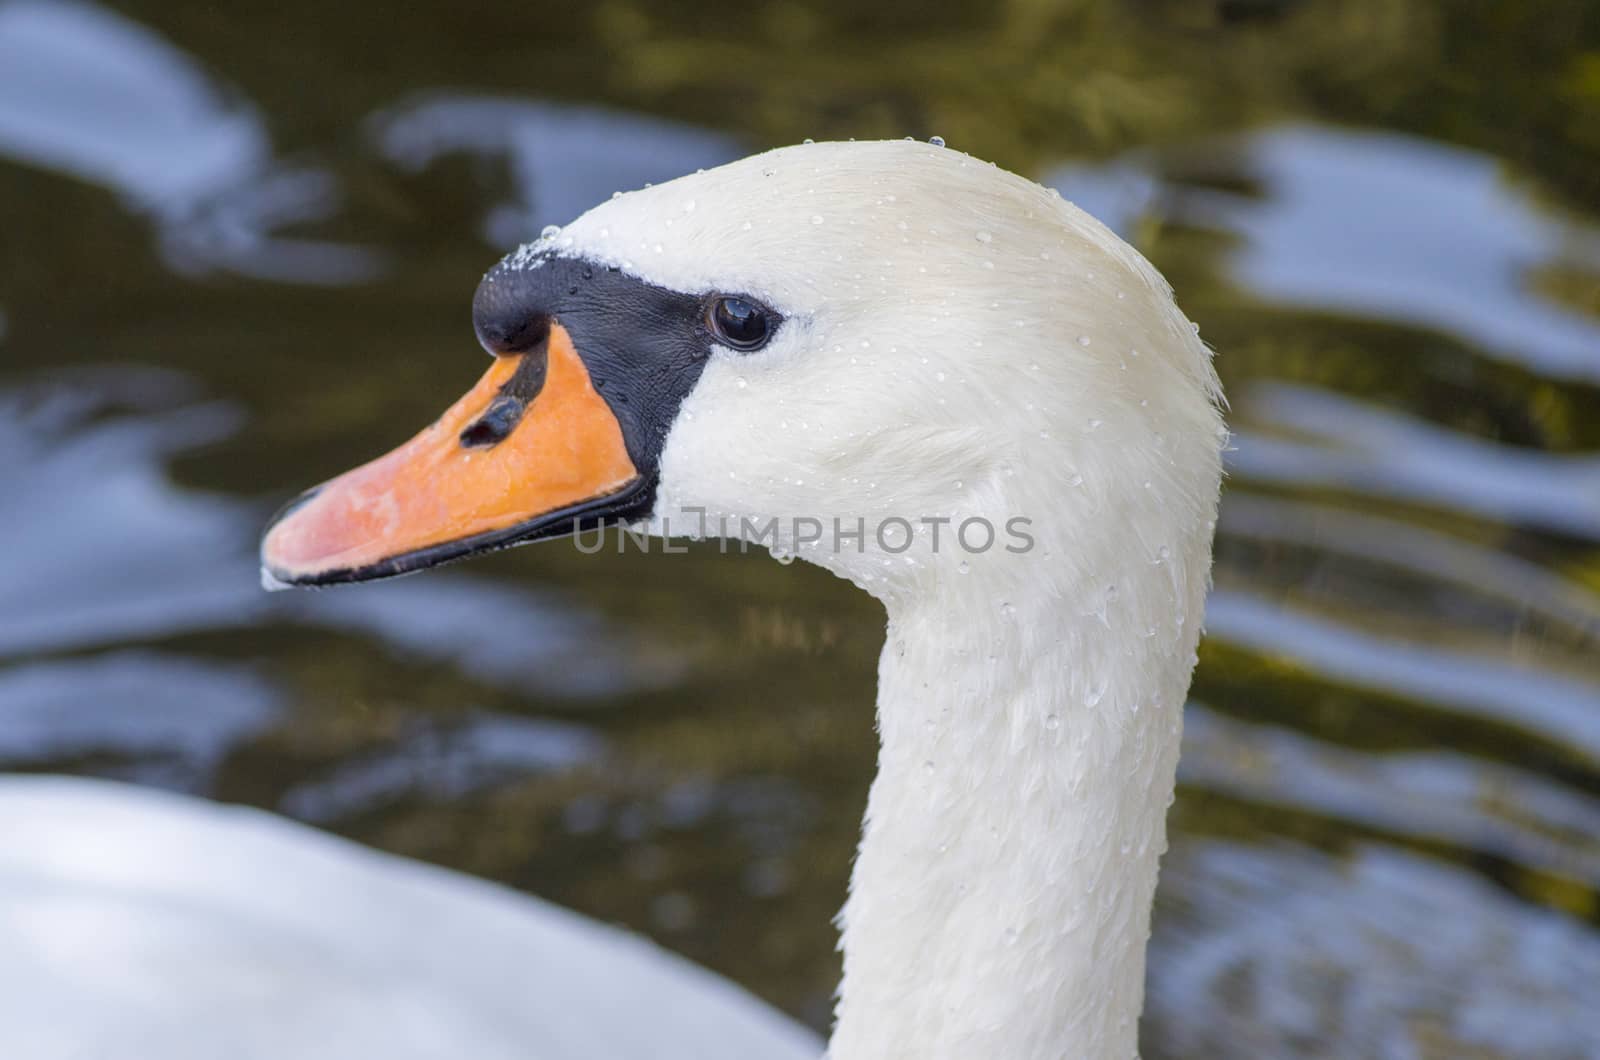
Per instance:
x=524, y=454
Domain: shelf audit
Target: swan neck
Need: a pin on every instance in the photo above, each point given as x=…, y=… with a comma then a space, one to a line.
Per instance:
x=1000, y=900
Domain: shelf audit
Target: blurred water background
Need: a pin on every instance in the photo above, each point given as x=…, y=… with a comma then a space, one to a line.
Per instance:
x=237, y=249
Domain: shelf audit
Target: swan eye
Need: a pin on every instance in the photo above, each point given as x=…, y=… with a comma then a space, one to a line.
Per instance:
x=739, y=322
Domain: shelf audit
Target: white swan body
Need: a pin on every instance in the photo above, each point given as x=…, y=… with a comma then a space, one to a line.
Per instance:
x=135, y=923
x=958, y=348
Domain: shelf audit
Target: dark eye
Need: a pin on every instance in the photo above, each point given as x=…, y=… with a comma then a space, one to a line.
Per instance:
x=739, y=322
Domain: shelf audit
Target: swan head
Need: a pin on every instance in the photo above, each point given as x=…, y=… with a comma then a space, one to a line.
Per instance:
x=889, y=358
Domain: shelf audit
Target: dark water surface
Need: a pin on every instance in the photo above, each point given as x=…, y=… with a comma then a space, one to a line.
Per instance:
x=237, y=249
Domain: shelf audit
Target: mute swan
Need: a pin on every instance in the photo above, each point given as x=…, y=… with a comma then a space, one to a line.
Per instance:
x=932, y=377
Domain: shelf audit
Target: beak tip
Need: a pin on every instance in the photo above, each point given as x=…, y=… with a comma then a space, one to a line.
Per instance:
x=272, y=581
x=276, y=575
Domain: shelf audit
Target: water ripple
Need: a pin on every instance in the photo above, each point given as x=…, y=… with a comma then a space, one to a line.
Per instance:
x=89, y=93
x=1377, y=225
x=1564, y=708
x=1389, y=454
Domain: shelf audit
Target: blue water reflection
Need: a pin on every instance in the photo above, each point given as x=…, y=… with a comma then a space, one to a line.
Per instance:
x=159, y=717
x=1563, y=707
x=1524, y=588
x=1426, y=961
x=1397, y=228
x=1378, y=225
x=115, y=552
x=563, y=159
x=443, y=763
x=95, y=96
x=1382, y=453
x=1479, y=807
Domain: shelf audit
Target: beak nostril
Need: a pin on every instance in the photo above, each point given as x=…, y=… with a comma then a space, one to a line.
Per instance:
x=496, y=423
